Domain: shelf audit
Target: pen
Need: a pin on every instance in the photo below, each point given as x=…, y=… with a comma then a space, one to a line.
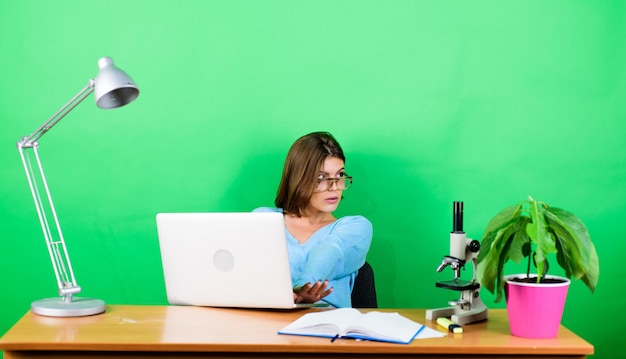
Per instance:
x=449, y=325
x=334, y=338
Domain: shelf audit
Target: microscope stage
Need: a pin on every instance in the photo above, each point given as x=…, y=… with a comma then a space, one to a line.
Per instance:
x=458, y=285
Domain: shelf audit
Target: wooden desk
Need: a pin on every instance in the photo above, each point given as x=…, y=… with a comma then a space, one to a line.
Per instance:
x=194, y=332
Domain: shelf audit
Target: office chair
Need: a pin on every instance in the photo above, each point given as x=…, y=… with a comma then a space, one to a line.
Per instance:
x=364, y=291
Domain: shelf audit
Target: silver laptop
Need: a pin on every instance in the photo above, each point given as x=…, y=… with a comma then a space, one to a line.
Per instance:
x=227, y=259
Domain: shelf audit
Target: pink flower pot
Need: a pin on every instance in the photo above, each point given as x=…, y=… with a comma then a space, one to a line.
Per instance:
x=535, y=310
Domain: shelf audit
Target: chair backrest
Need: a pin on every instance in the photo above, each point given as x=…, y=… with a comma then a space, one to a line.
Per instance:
x=364, y=291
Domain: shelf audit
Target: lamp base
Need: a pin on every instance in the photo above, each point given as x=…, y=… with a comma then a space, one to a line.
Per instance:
x=59, y=307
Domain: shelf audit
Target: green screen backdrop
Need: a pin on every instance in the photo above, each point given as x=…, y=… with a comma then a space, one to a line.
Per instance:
x=484, y=102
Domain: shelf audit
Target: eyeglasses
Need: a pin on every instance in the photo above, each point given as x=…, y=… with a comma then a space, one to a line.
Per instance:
x=324, y=184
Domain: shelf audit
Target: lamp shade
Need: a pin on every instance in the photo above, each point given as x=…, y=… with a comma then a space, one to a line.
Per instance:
x=113, y=87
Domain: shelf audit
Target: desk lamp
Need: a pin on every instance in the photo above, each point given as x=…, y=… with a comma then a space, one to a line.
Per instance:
x=113, y=88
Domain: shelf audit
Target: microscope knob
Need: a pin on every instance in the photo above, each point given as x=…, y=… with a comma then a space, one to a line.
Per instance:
x=474, y=246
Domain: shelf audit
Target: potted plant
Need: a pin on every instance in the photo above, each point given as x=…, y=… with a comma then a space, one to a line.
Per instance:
x=534, y=231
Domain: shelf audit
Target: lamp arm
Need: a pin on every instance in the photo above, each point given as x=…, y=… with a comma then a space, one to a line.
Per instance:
x=66, y=282
x=30, y=140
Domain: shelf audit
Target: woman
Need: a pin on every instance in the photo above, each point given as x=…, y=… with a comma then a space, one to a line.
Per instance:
x=325, y=252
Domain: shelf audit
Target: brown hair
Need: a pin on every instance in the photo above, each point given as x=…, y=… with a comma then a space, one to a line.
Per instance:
x=304, y=160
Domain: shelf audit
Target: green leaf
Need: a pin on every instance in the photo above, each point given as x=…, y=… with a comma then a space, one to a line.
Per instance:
x=577, y=254
x=494, y=252
x=538, y=232
x=513, y=249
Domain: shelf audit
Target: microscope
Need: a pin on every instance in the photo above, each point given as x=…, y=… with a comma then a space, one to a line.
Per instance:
x=469, y=308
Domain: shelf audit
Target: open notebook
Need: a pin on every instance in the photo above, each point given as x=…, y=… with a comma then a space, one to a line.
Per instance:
x=226, y=259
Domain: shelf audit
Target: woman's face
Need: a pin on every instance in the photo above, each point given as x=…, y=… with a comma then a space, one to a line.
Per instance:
x=326, y=197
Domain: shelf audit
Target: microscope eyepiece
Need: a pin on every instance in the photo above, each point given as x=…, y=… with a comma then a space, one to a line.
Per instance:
x=457, y=217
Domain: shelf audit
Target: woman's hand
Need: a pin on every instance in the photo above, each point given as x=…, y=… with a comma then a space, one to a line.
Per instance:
x=311, y=293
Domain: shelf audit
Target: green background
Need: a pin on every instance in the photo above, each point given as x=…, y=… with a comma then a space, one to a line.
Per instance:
x=484, y=102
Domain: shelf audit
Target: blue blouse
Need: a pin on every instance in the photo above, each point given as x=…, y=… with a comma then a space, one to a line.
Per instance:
x=334, y=252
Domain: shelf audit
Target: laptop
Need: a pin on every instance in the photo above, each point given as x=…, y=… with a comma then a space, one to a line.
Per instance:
x=226, y=259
